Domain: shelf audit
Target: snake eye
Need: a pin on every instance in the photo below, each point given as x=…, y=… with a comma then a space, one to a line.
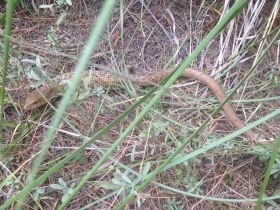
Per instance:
x=34, y=104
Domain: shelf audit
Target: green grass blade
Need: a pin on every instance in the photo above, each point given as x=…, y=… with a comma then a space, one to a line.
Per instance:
x=90, y=46
x=72, y=155
x=8, y=26
x=239, y=5
x=222, y=140
x=96, y=32
x=153, y=174
x=14, y=5
x=268, y=171
x=167, y=162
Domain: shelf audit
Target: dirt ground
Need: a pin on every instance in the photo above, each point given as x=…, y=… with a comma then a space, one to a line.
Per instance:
x=233, y=170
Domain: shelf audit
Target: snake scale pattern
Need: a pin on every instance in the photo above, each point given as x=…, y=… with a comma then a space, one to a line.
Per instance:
x=105, y=79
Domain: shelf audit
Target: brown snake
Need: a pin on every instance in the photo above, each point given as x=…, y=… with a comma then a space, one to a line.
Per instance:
x=35, y=99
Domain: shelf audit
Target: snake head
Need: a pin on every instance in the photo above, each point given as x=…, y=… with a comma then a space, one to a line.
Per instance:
x=35, y=99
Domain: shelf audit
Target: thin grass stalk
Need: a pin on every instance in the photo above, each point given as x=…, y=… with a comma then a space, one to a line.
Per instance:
x=95, y=167
x=248, y=128
x=252, y=125
x=188, y=157
x=43, y=27
x=277, y=144
x=238, y=6
x=214, y=144
x=202, y=150
x=89, y=48
x=231, y=14
x=14, y=5
x=268, y=170
x=104, y=17
x=138, y=25
x=8, y=26
x=52, y=170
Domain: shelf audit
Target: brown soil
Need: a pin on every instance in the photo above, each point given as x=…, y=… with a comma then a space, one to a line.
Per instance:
x=233, y=170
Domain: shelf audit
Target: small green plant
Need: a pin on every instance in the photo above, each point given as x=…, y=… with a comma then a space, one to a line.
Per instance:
x=63, y=2
x=33, y=68
x=65, y=189
x=155, y=130
x=126, y=183
x=272, y=76
x=172, y=204
x=38, y=192
x=87, y=91
x=276, y=168
x=193, y=185
x=61, y=6
x=13, y=184
x=78, y=159
x=53, y=37
x=6, y=163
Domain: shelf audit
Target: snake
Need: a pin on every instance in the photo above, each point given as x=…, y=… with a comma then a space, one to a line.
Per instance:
x=44, y=93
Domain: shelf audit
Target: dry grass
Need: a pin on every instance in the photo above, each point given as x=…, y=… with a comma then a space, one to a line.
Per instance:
x=233, y=170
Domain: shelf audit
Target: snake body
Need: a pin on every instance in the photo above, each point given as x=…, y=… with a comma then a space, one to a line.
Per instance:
x=105, y=79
